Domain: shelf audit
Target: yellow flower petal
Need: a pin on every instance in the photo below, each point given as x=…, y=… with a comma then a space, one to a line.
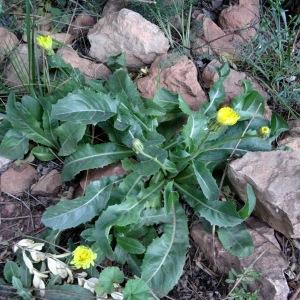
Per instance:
x=45, y=42
x=83, y=257
x=227, y=116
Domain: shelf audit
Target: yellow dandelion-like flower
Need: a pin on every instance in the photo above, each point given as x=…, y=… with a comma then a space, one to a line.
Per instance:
x=227, y=116
x=45, y=42
x=264, y=131
x=83, y=257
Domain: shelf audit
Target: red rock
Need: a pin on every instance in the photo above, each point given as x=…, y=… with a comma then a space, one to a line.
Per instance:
x=90, y=69
x=17, y=180
x=48, y=184
x=96, y=174
x=178, y=76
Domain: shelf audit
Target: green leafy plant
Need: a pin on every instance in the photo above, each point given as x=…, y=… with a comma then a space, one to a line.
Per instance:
x=138, y=219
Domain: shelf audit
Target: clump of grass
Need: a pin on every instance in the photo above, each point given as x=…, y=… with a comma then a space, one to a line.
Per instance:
x=273, y=57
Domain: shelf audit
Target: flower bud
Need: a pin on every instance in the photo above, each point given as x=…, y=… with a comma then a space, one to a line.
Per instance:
x=137, y=146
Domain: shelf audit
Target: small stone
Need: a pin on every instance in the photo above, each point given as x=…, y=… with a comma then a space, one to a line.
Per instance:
x=242, y=18
x=113, y=6
x=178, y=75
x=271, y=265
x=90, y=69
x=8, y=42
x=17, y=180
x=48, y=184
x=96, y=174
x=81, y=25
x=275, y=178
x=127, y=32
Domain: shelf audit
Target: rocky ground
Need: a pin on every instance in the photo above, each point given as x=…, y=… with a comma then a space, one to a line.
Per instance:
x=28, y=187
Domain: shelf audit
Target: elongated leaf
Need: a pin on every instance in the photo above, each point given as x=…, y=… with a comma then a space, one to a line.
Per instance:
x=206, y=181
x=130, y=245
x=43, y=153
x=278, y=125
x=166, y=99
x=165, y=257
x=68, y=292
x=25, y=122
x=136, y=289
x=195, y=129
x=128, y=212
x=85, y=106
x=249, y=206
x=107, y=278
x=11, y=269
x=71, y=213
x=22, y=292
x=14, y=145
x=93, y=156
x=236, y=240
x=218, y=213
x=69, y=134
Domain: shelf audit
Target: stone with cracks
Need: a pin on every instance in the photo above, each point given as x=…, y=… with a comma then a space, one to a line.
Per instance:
x=275, y=177
x=127, y=32
x=178, y=75
x=48, y=184
x=17, y=180
x=266, y=259
x=89, y=69
x=8, y=42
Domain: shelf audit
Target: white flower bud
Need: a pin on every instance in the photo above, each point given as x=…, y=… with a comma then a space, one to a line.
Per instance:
x=137, y=146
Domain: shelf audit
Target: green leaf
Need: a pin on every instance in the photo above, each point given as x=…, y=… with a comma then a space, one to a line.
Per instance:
x=278, y=125
x=155, y=216
x=249, y=206
x=22, y=292
x=69, y=134
x=130, y=245
x=165, y=256
x=166, y=99
x=11, y=269
x=43, y=153
x=14, y=145
x=25, y=122
x=71, y=213
x=68, y=292
x=136, y=289
x=85, y=107
x=195, y=130
x=206, y=181
x=128, y=212
x=236, y=240
x=25, y=276
x=107, y=278
x=219, y=213
x=93, y=156
x=170, y=196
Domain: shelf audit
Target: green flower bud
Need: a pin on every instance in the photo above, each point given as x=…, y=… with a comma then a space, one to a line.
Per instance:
x=137, y=146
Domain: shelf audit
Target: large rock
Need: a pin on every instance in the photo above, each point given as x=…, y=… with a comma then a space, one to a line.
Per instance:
x=8, y=42
x=90, y=69
x=4, y=162
x=242, y=18
x=221, y=43
x=16, y=73
x=275, y=177
x=17, y=180
x=178, y=75
x=266, y=259
x=48, y=184
x=232, y=84
x=127, y=31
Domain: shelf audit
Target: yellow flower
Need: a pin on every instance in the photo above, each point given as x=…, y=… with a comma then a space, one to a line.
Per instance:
x=45, y=42
x=83, y=257
x=227, y=116
x=264, y=131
